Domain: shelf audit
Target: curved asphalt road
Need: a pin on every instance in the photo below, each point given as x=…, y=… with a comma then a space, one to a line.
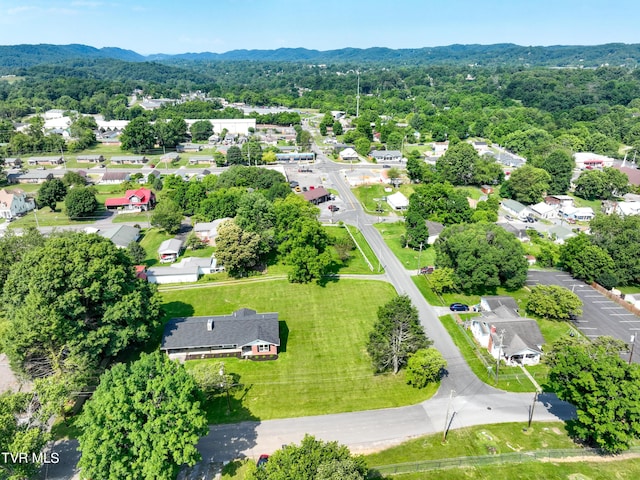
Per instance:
x=462, y=400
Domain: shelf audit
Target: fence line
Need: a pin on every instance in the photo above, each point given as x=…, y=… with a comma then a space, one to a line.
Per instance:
x=478, y=461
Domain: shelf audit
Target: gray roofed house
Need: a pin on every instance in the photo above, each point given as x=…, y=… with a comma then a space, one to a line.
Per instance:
x=186, y=270
x=32, y=176
x=57, y=160
x=386, y=155
x=208, y=231
x=435, y=229
x=169, y=250
x=90, y=158
x=516, y=340
x=243, y=334
x=122, y=235
x=131, y=159
x=560, y=234
x=493, y=302
x=114, y=177
x=516, y=208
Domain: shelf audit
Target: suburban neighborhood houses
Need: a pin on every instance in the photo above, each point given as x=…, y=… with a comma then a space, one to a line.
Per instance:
x=364, y=258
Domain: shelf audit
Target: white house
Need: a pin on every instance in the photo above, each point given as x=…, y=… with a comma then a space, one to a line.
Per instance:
x=544, y=210
x=349, y=154
x=169, y=250
x=14, y=203
x=584, y=214
x=560, y=234
x=516, y=208
x=440, y=148
x=622, y=208
x=208, y=231
x=398, y=201
x=186, y=271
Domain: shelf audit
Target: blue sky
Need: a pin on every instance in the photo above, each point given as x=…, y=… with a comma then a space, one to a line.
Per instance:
x=177, y=26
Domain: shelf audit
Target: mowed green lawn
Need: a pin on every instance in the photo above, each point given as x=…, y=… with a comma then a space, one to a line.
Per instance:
x=410, y=258
x=323, y=365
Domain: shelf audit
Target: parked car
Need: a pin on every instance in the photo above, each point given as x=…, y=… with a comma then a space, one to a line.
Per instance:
x=264, y=458
x=297, y=189
x=293, y=183
x=386, y=166
x=427, y=270
x=333, y=208
x=304, y=189
x=459, y=307
x=530, y=219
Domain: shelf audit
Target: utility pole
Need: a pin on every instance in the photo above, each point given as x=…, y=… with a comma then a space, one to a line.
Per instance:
x=358, y=96
x=633, y=344
x=446, y=418
x=533, y=405
x=419, y=255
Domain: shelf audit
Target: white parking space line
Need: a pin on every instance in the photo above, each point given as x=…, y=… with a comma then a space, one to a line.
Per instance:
x=601, y=301
x=568, y=280
x=588, y=328
x=629, y=321
x=593, y=336
x=611, y=308
x=624, y=314
x=593, y=296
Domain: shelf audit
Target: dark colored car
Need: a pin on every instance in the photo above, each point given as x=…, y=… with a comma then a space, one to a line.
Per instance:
x=459, y=307
x=427, y=270
x=264, y=458
x=333, y=208
x=386, y=166
x=293, y=184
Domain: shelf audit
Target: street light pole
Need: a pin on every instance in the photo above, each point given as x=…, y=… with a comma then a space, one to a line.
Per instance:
x=633, y=344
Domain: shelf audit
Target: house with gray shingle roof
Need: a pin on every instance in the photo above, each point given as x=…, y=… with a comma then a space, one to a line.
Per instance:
x=121, y=235
x=169, y=250
x=243, y=334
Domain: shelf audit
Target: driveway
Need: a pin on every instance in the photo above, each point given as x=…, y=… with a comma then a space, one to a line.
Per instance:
x=600, y=316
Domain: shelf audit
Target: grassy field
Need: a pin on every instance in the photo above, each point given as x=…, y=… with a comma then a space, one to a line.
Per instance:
x=411, y=259
x=370, y=196
x=356, y=264
x=150, y=241
x=323, y=366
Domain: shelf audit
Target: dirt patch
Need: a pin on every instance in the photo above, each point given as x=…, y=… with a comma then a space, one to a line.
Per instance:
x=8, y=381
x=557, y=431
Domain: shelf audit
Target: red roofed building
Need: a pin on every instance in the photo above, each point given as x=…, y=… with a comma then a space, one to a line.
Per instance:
x=138, y=200
x=316, y=195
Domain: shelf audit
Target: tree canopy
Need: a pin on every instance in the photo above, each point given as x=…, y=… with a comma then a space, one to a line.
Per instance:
x=396, y=335
x=553, y=301
x=484, y=257
x=603, y=387
x=311, y=460
x=80, y=202
x=80, y=304
x=51, y=192
x=143, y=421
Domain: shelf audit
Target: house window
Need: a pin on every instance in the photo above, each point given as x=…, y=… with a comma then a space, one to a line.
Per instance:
x=263, y=348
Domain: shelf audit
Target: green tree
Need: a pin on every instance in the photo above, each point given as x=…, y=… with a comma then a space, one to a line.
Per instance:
x=457, y=164
x=484, y=257
x=559, y=164
x=50, y=193
x=13, y=248
x=88, y=304
x=362, y=146
x=620, y=238
x=80, y=202
x=170, y=133
x=234, y=156
x=416, y=231
x=424, y=367
x=528, y=184
x=586, y=261
x=73, y=178
x=137, y=253
x=167, y=216
x=337, y=128
x=143, y=421
x=20, y=432
x=396, y=335
x=237, y=249
x=138, y=136
x=415, y=168
x=553, y=301
x=486, y=171
x=603, y=387
x=201, y=130
x=311, y=460
x=603, y=184
x=307, y=264
x=443, y=280
x=442, y=203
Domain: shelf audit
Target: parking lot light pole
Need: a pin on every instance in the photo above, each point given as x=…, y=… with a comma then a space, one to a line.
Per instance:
x=633, y=344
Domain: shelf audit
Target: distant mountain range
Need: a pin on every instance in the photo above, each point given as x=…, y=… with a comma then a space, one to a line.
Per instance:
x=615, y=54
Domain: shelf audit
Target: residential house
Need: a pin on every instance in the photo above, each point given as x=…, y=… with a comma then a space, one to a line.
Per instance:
x=169, y=250
x=439, y=148
x=112, y=178
x=15, y=203
x=90, y=159
x=201, y=160
x=139, y=200
x=481, y=147
x=13, y=162
x=514, y=339
x=584, y=214
x=122, y=235
x=623, y=209
x=520, y=233
x=349, y=154
x=243, y=334
x=130, y=159
x=435, y=229
x=382, y=156
x=208, y=231
x=149, y=175
x=494, y=302
x=398, y=201
x=487, y=189
x=187, y=270
x=32, y=176
x=560, y=234
x=516, y=209
x=559, y=200
x=188, y=147
x=170, y=157
x=544, y=210
x=316, y=195
x=38, y=161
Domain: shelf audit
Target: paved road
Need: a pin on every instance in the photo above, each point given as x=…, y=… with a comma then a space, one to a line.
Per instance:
x=600, y=316
x=462, y=400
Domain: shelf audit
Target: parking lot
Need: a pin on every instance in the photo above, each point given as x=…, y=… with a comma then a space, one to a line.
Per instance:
x=600, y=316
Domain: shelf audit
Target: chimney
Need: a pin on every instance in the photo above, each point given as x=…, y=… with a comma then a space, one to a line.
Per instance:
x=210, y=324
